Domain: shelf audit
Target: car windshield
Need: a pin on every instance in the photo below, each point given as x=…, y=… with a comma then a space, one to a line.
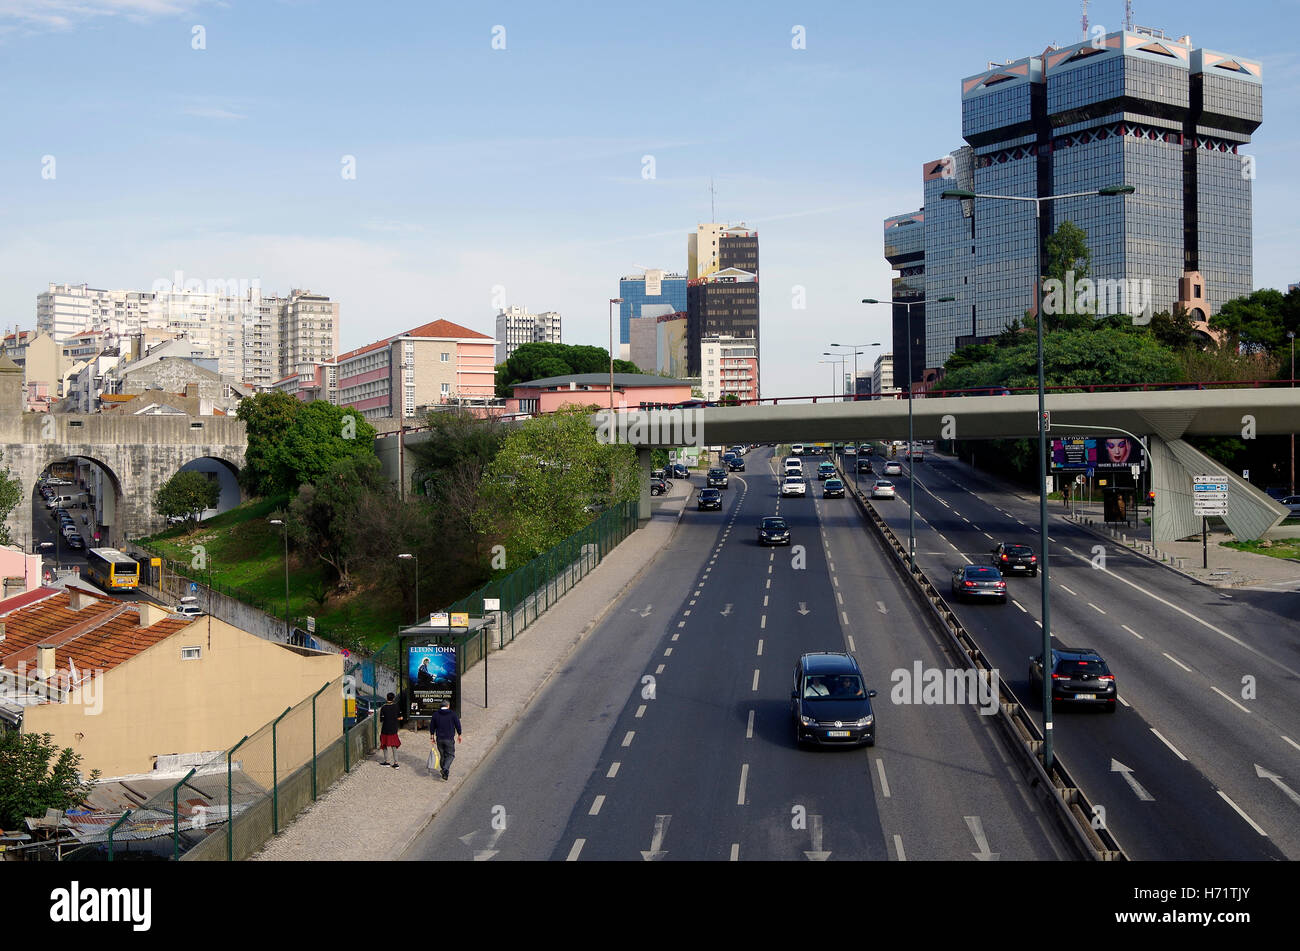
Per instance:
x=1018, y=550
x=983, y=574
x=716, y=472
x=833, y=687
x=882, y=484
x=834, y=484
x=1077, y=667
x=774, y=523
x=794, y=479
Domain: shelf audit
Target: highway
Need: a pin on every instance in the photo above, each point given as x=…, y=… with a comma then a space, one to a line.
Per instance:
x=667, y=734
x=1200, y=760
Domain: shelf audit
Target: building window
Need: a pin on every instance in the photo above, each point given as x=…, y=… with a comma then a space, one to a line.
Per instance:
x=445, y=357
x=446, y=389
x=191, y=653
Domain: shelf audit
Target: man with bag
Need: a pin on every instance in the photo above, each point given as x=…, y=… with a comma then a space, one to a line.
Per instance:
x=444, y=734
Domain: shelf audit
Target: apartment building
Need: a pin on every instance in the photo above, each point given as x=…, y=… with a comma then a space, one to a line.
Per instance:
x=729, y=367
x=516, y=326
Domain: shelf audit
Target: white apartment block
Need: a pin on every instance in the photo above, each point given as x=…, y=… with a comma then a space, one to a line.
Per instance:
x=882, y=374
x=254, y=339
x=729, y=366
x=516, y=326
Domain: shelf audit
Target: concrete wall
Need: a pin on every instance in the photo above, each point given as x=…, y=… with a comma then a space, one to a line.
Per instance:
x=139, y=454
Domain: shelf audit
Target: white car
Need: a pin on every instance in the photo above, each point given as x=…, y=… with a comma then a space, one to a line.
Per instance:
x=797, y=449
x=893, y=468
x=883, y=489
x=793, y=467
x=1293, y=503
x=793, y=485
x=189, y=607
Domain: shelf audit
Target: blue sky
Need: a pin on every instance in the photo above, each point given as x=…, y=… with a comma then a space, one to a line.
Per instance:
x=521, y=168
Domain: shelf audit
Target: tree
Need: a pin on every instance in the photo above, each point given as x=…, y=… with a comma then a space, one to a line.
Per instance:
x=1257, y=322
x=1067, y=260
x=537, y=361
x=327, y=518
x=1175, y=330
x=268, y=417
x=187, y=493
x=455, y=437
x=537, y=489
x=321, y=435
x=11, y=493
x=36, y=775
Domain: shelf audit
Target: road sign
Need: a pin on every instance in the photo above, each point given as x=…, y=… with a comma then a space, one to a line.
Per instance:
x=1080, y=479
x=1091, y=473
x=491, y=604
x=1135, y=470
x=311, y=624
x=193, y=587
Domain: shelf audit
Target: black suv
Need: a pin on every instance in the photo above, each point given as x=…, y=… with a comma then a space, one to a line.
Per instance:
x=1079, y=675
x=736, y=463
x=658, y=486
x=679, y=471
x=833, y=489
x=864, y=466
x=1011, y=558
x=773, y=530
x=709, y=499
x=830, y=704
x=717, y=479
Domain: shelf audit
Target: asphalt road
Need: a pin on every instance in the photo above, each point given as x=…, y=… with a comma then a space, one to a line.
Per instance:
x=1200, y=760
x=668, y=734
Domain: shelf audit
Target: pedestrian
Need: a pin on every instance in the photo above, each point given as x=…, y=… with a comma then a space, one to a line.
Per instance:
x=390, y=715
x=444, y=733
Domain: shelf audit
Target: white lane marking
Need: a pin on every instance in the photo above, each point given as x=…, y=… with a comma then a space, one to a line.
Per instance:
x=744, y=777
x=852, y=647
x=760, y=647
x=839, y=597
x=675, y=636
x=686, y=613
x=1253, y=824
x=1177, y=752
x=884, y=783
x=765, y=600
x=898, y=848
x=1040, y=624
x=762, y=622
x=836, y=582
x=735, y=851
x=954, y=547
x=1019, y=605
x=769, y=569
x=660, y=669
x=681, y=623
x=668, y=652
x=1177, y=661
x=749, y=727
x=1291, y=741
x=755, y=686
x=830, y=565
x=1133, y=632
x=613, y=770
x=845, y=615
x=640, y=711
x=692, y=602
x=1075, y=593
x=627, y=740
x=1229, y=699
x=1095, y=608
x=1123, y=701
x=880, y=606
x=595, y=806
x=577, y=847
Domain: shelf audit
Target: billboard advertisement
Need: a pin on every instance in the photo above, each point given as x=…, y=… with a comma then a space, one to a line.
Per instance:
x=1107, y=453
x=433, y=672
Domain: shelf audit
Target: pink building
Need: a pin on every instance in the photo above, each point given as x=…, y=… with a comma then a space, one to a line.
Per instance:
x=631, y=391
x=19, y=572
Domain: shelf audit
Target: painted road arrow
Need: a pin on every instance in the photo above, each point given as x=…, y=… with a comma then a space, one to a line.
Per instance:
x=1276, y=780
x=803, y=608
x=981, y=840
x=645, y=613
x=482, y=855
x=657, y=840
x=1117, y=767
x=727, y=610
x=881, y=606
x=816, y=855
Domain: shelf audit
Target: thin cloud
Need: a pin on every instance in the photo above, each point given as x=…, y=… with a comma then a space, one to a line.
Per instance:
x=66, y=14
x=212, y=113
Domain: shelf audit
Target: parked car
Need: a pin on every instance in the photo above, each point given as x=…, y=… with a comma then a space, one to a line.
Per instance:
x=883, y=489
x=76, y=541
x=829, y=702
x=709, y=499
x=1293, y=503
x=1079, y=675
x=1013, y=557
x=978, y=581
x=188, y=607
x=833, y=489
x=658, y=486
x=773, y=530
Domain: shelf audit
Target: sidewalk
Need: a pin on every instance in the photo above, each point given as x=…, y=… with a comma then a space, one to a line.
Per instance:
x=369, y=815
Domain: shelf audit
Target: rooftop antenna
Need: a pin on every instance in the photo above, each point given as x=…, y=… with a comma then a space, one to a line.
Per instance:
x=713, y=214
x=1128, y=15
x=1085, y=19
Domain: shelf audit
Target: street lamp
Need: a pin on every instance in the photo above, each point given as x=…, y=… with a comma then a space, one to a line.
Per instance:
x=857, y=348
x=406, y=555
x=288, y=636
x=1108, y=190
x=911, y=468
x=1291, y=335
x=838, y=377
x=612, y=302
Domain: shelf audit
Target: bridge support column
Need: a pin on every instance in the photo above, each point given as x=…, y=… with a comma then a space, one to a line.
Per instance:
x=1174, y=463
x=644, y=467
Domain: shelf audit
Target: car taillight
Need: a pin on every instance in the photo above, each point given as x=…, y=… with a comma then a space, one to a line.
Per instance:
x=1106, y=677
x=970, y=584
x=1002, y=584
x=1033, y=557
x=1005, y=558
x=1060, y=676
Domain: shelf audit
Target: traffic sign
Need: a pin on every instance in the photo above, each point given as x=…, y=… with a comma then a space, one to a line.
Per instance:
x=1135, y=470
x=1091, y=473
x=193, y=587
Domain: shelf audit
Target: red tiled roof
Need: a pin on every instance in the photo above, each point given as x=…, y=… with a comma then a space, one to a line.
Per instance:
x=366, y=349
x=102, y=635
x=443, y=328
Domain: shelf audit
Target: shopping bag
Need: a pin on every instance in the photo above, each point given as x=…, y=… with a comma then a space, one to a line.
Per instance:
x=435, y=761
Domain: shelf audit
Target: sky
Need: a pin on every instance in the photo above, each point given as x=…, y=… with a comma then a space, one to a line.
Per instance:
x=529, y=153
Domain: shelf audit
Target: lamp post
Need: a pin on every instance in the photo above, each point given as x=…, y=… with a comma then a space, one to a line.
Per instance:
x=836, y=375
x=408, y=555
x=1291, y=335
x=857, y=348
x=1038, y=202
x=284, y=526
x=612, y=302
x=911, y=435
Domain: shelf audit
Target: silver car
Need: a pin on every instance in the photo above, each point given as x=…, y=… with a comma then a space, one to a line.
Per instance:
x=883, y=489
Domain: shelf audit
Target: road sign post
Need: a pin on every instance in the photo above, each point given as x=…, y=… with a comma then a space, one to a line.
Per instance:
x=1209, y=497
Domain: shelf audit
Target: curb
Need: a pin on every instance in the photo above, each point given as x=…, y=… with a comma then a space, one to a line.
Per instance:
x=550, y=672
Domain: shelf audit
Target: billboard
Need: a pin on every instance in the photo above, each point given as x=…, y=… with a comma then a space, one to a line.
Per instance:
x=1103, y=454
x=433, y=671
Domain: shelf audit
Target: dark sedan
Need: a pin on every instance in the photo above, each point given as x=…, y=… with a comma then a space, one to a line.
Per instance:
x=709, y=499
x=678, y=471
x=865, y=467
x=717, y=479
x=773, y=530
x=833, y=489
x=978, y=581
x=1079, y=675
x=1015, y=558
x=736, y=463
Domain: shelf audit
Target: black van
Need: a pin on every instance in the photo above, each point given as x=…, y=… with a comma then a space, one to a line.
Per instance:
x=830, y=703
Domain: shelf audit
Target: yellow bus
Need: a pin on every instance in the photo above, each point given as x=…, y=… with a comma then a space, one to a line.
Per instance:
x=111, y=569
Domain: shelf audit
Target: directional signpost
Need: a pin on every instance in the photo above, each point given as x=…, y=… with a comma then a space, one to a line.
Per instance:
x=1210, y=497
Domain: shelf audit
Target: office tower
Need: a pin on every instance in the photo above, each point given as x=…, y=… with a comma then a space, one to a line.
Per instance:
x=655, y=289
x=1135, y=107
x=516, y=326
x=722, y=287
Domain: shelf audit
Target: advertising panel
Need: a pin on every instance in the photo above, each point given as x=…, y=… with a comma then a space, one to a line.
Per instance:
x=1106, y=453
x=433, y=671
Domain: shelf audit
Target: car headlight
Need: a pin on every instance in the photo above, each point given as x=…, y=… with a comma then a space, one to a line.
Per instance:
x=807, y=721
x=866, y=721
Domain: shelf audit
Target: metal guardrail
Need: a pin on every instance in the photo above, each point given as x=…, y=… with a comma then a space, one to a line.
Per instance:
x=1073, y=810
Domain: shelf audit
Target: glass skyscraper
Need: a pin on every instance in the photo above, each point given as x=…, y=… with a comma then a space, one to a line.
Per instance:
x=635, y=291
x=1134, y=107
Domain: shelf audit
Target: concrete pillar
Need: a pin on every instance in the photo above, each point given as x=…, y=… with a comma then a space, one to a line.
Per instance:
x=644, y=468
x=1173, y=464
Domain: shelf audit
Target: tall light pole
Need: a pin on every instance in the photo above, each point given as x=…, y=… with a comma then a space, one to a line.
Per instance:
x=612, y=302
x=857, y=348
x=911, y=433
x=1042, y=433
x=1291, y=335
x=407, y=556
x=284, y=526
x=839, y=379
